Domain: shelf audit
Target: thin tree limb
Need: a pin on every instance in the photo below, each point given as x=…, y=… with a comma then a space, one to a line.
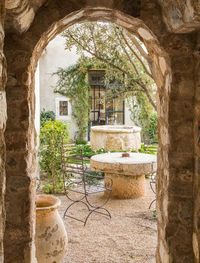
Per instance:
x=127, y=54
x=93, y=39
x=143, y=87
x=133, y=51
x=138, y=46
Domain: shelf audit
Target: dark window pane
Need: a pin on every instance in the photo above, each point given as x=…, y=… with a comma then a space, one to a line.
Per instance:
x=63, y=108
x=96, y=77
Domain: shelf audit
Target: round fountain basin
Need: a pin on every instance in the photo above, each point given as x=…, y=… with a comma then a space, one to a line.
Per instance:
x=115, y=137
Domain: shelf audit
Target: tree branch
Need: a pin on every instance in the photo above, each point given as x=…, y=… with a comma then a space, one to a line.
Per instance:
x=98, y=56
x=138, y=46
x=133, y=51
x=140, y=84
x=147, y=93
x=125, y=51
x=93, y=39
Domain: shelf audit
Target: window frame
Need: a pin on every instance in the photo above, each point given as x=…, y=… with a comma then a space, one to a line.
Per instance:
x=67, y=108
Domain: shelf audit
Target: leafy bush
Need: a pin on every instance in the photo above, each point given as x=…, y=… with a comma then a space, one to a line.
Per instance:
x=80, y=142
x=49, y=188
x=149, y=149
x=87, y=151
x=46, y=116
x=52, y=135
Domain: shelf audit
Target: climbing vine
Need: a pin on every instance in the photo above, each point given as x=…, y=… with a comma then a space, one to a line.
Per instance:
x=127, y=72
x=72, y=83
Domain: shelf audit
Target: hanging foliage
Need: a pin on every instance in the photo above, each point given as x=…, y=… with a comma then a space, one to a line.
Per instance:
x=72, y=83
x=127, y=72
x=123, y=55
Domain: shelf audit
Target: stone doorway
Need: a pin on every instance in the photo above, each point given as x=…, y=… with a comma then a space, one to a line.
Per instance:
x=20, y=138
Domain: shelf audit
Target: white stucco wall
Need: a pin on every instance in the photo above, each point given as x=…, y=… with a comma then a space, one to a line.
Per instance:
x=53, y=57
x=37, y=100
x=37, y=119
x=127, y=114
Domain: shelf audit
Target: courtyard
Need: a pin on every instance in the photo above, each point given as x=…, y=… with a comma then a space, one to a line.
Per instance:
x=168, y=32
x=130, y=236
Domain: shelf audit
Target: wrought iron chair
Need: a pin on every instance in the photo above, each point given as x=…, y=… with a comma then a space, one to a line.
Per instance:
x=77, y=187
x=153, y=184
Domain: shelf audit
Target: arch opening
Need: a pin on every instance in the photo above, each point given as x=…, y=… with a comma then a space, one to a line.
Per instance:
x=160, y=66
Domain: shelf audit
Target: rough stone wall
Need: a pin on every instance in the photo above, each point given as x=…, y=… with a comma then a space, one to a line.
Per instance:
x=20, y=138
x=176, y=153
x=2, y=127
x=196, y=234
x=20, y=168
x=179, y=224
x=19, y=14
x=176, y=112
x=181, y=16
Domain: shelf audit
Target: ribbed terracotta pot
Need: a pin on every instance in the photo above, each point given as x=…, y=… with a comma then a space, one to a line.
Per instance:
x=51, y=237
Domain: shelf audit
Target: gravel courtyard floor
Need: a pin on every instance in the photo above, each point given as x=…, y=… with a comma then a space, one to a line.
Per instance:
x=130, y=235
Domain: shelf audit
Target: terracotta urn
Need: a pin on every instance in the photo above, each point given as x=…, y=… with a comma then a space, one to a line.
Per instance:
x=51, y=237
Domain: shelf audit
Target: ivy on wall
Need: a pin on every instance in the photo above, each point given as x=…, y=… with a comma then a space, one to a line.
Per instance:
x=72, y=83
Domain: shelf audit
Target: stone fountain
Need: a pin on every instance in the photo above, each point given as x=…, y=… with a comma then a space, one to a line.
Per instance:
x=115, y=137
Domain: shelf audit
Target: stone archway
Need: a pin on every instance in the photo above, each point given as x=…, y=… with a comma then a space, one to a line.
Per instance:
x=175, y=177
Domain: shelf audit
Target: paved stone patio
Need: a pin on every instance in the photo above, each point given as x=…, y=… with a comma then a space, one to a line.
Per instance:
x=129, y=237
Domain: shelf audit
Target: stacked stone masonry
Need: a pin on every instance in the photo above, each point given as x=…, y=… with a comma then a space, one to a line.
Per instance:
x=174, y=62
x=196, y=194
x=2, y=128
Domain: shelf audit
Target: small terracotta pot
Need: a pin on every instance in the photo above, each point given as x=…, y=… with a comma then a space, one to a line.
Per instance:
x=51, y=237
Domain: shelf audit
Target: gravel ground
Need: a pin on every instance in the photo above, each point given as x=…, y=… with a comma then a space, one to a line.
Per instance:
x=130, y=235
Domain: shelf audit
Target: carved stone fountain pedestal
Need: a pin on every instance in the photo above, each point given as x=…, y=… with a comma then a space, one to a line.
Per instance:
x=127, y=171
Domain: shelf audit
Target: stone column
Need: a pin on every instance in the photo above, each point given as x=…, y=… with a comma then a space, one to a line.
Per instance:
x=20, y=143
x=196, y=234
x=176, y=140
x=176, y=171
x=3, y=115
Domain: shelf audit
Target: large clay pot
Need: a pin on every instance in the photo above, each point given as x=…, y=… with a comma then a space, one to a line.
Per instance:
x=51, y=236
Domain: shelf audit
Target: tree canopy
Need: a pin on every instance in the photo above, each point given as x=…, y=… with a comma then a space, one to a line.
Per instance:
x=123, y=55
x=124, y=59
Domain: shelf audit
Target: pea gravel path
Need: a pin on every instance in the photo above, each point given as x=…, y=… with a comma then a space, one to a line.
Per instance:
x=129, y=237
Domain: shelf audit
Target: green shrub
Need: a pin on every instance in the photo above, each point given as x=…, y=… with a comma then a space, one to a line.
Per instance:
x=46, y=116
x=49, y=188
x=80, y=142
x=149, y=149
x=52, y=135
x=87, y=151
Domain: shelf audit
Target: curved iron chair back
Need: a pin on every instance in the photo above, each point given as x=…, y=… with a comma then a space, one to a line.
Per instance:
x=76, y=178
